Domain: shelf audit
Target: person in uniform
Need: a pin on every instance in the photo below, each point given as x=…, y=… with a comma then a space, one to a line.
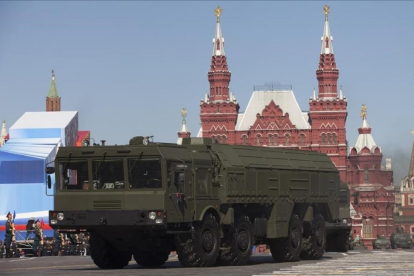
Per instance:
x=1, y=249
x=9, y=234
x=37, y=238
x=57, y=244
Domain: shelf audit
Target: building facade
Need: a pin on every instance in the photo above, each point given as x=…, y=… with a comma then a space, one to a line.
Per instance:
x=273, y=117
x=371, y=188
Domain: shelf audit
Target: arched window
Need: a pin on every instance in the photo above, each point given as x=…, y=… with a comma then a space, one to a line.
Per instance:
x=258, y=140
x=367, y=229
x=218, y=109
x=275, y=140
x=323, y=139
x=333, y=138
x=302, y=139
x=329, y=138
x=224, y=139
x=244, y=138
x=270, y=140
x=218, y=44
x=287, y=139
x=366, y=175
x=327, y=42
x=51, y=103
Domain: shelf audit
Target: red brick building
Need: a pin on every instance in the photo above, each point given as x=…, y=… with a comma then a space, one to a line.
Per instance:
x=273, y=118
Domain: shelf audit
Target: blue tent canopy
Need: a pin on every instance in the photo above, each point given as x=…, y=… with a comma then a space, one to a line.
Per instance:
x=24, y=160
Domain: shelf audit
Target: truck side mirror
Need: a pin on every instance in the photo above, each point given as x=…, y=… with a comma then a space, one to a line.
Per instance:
x=50, y=170
x=49, y=182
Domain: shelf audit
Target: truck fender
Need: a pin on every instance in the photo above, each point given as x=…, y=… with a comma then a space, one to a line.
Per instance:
x=212, y=210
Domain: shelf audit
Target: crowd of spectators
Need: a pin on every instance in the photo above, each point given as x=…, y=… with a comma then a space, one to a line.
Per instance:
x=51, y=246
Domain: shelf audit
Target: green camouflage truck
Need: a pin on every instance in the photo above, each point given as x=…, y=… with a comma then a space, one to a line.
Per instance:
x=209, y=202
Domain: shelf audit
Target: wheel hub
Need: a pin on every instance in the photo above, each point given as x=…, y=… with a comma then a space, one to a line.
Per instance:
x=295, y=236
x=207, y=240
x=243, y=241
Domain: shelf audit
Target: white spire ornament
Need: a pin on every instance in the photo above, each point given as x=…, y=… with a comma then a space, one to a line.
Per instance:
x=218, y=40
x=326, y=39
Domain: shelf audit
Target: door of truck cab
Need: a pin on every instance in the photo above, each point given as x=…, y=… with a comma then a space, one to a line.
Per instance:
x=180, y=190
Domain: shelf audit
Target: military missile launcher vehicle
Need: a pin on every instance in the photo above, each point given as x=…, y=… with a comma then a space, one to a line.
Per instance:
x=209, y=202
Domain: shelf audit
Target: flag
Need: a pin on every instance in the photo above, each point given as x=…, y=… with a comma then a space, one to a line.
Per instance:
x=14, y=215
x=42, y=222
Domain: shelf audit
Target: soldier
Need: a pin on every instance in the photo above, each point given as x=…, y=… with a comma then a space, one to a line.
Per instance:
x=57, y=244
x=37, y=240
x=1, y=249
x=9, y=234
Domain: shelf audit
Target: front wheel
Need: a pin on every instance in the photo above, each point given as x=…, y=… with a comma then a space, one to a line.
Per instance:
x=201, y=248
x=106, y=256
x=288, y=249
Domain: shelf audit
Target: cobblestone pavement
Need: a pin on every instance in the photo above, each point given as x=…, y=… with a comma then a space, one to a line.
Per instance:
x=389, y=262
x=385, y=262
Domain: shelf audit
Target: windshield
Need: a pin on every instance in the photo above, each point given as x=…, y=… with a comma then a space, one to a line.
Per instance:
x=144, y=173
x=73, y=175
x=108, y=174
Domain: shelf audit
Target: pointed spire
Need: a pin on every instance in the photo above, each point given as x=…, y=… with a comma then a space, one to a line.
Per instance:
x=53, y=93
x=326, y=38
x=363, y=115
x=411, y=168
x=3, y=134
x=184, y=132
x=218, y=40
x=314, y=94
x=341, y=95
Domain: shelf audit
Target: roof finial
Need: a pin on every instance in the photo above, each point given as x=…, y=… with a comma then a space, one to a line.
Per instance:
x=218, y=11
x=326, y=10
x=363, y=112
x=184, y=126
x=53, y=74
x=184, y=112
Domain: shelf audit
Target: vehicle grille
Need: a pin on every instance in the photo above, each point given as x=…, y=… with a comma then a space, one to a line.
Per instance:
x=107, y=204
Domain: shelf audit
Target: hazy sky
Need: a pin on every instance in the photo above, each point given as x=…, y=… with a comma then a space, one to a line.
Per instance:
x=129, y=67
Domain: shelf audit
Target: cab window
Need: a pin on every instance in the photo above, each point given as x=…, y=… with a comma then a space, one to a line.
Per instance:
x=203, y=181
x=144, y=174
x=73, y=175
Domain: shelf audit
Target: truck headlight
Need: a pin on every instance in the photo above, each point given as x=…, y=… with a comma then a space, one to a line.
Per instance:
x=152, y=215
x=60, y=216
x=158, y=221
x=53, y=221
x=344, y=221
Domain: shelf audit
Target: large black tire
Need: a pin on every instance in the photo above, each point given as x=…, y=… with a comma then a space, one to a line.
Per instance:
x=288, y=249
x=201, y=248
x=337, y=242
x=313, y=246
x=240, y=243
x=152, y=258
x=106, y=256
